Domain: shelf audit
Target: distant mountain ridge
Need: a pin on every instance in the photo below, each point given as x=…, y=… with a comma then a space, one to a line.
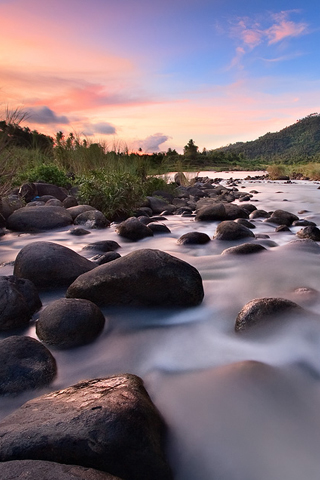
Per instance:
x=298, y=142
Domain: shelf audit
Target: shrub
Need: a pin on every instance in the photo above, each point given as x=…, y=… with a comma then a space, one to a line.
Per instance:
x=48, y=173
x=115, y=194
x=276, y=171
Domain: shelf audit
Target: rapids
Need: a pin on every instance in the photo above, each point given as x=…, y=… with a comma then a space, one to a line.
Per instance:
x=219, y=429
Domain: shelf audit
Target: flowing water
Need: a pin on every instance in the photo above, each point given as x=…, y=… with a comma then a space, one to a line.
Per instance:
x=226, y=421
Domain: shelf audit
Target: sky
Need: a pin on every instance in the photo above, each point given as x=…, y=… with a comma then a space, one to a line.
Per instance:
x=153, y=74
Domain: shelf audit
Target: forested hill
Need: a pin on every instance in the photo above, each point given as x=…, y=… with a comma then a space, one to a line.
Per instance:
x=298, y=142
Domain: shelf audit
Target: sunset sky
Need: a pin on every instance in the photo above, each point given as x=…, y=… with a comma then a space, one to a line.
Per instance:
x=155, y=73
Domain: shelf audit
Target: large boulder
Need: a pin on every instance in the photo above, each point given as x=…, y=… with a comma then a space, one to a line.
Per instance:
x=141, y=278
x=133, y=229
x=109, y=424
x=50, y=189
x=49, y=264
x=230, y=230
x=220, y=211
x=37, y=219
x=282, y=217
x=70, y=322
x=41, y=469
x=24, y=364
x=19, y=300
x=78, y=209
x=193, y=238
x=92, y=219
x=244, y=249
x=311, y=232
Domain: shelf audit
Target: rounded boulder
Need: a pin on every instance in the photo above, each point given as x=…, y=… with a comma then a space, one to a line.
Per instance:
x=38, y=219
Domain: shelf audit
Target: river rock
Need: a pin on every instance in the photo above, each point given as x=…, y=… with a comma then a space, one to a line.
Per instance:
x=78, y=209
x=219, y=212
x=193, y=238
x=55, y=202
x=262, y=311
x=109, y=424
x=10, y=204
x=92, y=219
x=37, y=219
x=259, y=214
x=157, y=204
x=49, y=264
x=133, y=229
x=49, y=189
x=102, y=246
x=159, y=228
x=102, y=258
x=28, y=191
x=69, y=322
x=142, y=278
x=244, y=249
x=19, y=300
x=246, y=223
x=40, y=469
x=230, y=230
x=311, y=232
x=70, y=201
x=24, y=364
x=282, y=217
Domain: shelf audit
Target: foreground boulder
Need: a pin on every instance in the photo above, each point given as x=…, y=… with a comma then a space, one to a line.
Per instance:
x=24, y=364
x=230, y=230
x=49, y=264
x=109, y=424
x=19, y=300
x=40, y=469
x=38, y=219
x=263, y=311
x=133, y=229
x=142, y=278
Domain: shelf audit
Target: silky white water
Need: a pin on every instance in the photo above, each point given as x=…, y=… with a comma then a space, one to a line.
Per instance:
x=221, y=425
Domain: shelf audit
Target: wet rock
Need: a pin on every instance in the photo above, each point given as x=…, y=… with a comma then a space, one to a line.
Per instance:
x=38, y=219
x=70, y=322
x=157, y=205
x=245, y=222
x=101, y=259
x=159, y=228
x=142, y=278
x=259, y=214
x=78, y=209
x=194, y=238
x=19, y=300
x=282, y=228
x=282, y=217
x=78, y=231
x=41, y=469
x=49, y=264
x=133, y=229
x=263, y=311
x=25, y=364
x=220, y=212
x=244, y=249
x=311, y=232
x=92, y=219
x=230, y=230
x=55, y=202
x=303, y=223
x=10, y=204
x=102, y=246
x=109, y=424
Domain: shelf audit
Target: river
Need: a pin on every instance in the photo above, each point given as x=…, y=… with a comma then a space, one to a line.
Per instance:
x=224, y=424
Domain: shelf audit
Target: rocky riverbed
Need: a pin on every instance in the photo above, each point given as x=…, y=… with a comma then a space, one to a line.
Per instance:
x=234, y=376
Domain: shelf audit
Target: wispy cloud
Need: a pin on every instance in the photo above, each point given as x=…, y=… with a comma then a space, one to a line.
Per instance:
x=103, y=128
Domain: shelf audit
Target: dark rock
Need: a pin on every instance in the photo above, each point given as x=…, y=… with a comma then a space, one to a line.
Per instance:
x=43, y=470
x=159, y=228
x=282, y=217
x=101, y=259
x=244, y=249
x=263, y=311
x=109, y=424
x=146, y=211
x=70, y=201
x=142, y=278
x=157, y=205
x=55, y=202
x=48, y=189
x=92, y=219
x=38, y=219
x=230, y=230
x=49, y=264
x=165, y=195
x=78, y=231
x=102, y=246
x=311, y=232
x=220, y=212
x=282, y=228
x=25, y=364
x=133, y=229
x=10, y=204
x=19, y=300
x=259, y=214
x=36, y=203
x=245, y=222
x=194, y=238
x=69, y=322
x=303, y=223
x=78, y=209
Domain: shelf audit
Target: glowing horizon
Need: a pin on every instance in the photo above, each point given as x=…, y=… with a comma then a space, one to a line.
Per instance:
x=155, y=75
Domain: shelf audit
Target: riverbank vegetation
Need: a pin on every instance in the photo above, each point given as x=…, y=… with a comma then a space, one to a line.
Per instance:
x=115, y=178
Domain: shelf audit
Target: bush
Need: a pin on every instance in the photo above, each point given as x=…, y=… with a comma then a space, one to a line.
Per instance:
x=48, y=173
x=277, y=171
x=114, y=194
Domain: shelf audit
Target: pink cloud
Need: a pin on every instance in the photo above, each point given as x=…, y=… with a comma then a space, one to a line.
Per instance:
x=284, y=29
